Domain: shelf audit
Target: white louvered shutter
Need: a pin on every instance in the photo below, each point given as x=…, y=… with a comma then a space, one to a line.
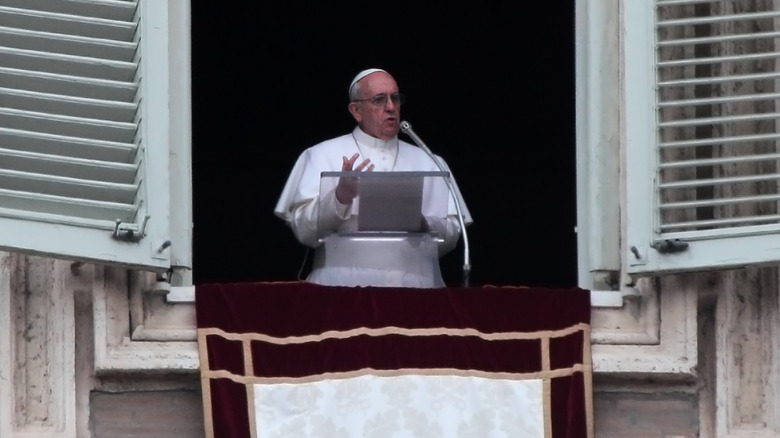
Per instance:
x=84, y=130
x=702, y=134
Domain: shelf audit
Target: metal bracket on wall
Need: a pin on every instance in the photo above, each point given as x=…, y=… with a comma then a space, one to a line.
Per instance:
x=175, y=285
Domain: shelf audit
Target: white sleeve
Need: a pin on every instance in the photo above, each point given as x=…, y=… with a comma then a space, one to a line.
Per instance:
x=298, y=204
x=446, y=228
x=308, y=222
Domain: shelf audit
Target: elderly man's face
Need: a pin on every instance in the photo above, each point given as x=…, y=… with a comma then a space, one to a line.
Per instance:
x=381, y=121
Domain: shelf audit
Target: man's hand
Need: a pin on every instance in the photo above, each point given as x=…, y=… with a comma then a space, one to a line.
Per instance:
x=347, y=188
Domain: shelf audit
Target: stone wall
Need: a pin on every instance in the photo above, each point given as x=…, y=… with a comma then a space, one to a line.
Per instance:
x=147, y=414
x=88, y=351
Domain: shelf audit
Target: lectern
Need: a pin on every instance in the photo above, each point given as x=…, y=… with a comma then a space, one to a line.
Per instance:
x=394, y=226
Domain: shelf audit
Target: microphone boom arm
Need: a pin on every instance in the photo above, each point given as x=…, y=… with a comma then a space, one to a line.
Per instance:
x=406, y=128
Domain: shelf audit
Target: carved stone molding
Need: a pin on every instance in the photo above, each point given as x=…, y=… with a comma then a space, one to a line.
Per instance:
x=653, y=334
x=637, y=322
x=747, y=326
x=141, y=333
x=37, y=367
x=153, y=318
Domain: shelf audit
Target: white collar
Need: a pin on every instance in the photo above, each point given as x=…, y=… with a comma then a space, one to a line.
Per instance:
x=374, y=142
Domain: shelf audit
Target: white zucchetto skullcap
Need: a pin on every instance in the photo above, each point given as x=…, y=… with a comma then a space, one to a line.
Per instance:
x=363, y=74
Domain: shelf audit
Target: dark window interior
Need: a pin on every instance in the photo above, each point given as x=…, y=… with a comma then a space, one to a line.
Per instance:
x=489, y=87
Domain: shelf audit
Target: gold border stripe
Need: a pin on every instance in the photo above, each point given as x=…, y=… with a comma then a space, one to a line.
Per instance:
x=332, y=334
x=205, y=386
x=587, y=359
x=551, y=374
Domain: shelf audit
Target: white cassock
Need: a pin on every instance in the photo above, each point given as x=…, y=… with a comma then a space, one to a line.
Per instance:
x=344, y=262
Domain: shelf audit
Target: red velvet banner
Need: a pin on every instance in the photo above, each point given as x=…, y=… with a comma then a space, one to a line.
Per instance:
x=292, y=332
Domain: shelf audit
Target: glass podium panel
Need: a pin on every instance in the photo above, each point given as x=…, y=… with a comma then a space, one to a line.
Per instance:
x=388, y=204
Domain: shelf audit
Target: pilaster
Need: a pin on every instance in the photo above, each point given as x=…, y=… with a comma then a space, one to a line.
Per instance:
x=37, y=339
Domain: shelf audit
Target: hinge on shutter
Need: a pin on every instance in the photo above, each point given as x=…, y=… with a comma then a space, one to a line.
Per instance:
x=130, y=232
x=670, y=246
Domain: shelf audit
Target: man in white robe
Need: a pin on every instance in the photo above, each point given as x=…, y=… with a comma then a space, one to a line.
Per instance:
x=373, y=146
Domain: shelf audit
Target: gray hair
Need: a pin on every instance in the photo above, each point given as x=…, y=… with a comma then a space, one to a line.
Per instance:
x=354, y=92
x=354, y=87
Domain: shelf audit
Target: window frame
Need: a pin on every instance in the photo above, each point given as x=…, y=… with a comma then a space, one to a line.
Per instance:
x=164, y=139
x=719, y=249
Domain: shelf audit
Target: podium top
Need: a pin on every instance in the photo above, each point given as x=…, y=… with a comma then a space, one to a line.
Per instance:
x=388, y=203
x=385, y=175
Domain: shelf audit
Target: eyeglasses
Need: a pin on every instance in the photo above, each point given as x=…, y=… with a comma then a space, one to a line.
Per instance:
x=380, y=100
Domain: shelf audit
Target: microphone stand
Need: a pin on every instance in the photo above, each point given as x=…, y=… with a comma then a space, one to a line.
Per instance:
x=406, y=128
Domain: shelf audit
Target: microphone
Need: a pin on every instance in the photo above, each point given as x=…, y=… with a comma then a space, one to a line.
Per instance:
x=406, y=128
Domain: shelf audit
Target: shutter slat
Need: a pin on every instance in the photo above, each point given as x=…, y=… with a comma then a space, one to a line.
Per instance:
x=721, y=99
x=717, y=233
x=49, y=218
x=715, y=19
x=718, y=79
x=65, y=85
x=76, y=188
x=121, y=10
x=67, y=44
x=67, y=24
x=718, y=161
x=717, y=120
x=741, y=221
x=717, y=202
x=68, y=126
x=718, y=181
x=67, y=106
x=53, y=144
x=67, y=166
x=71, y=207
x=720, y=140
x=67, y=65
x=682, y=42
x=664, y=3
x=718, y=60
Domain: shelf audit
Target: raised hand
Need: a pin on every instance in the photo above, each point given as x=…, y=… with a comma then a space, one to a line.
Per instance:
x=347, y=188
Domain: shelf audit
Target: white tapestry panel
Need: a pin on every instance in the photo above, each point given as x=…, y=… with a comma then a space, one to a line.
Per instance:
x=401, y=407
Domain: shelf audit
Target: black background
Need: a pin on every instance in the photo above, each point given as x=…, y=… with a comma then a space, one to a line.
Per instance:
x=490, y=87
